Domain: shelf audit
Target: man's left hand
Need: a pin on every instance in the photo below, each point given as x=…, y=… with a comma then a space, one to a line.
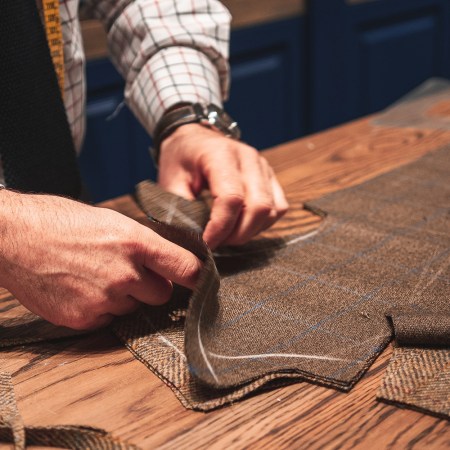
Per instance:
x=247, y=197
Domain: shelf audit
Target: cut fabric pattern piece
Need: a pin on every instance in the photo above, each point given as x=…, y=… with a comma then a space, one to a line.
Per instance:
x=418, y=378
x=65, y=436
x=314, y=309
x=418, y=375
x=19, y=326
x=172, y=209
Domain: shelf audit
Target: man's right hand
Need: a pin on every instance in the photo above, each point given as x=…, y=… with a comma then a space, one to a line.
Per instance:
x=79, y=266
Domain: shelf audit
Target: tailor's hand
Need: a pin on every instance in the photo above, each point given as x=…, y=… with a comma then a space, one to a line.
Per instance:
x=79, y=266
x=247, y=196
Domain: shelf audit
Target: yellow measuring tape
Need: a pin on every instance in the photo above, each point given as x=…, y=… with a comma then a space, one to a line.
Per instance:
x=53, y=31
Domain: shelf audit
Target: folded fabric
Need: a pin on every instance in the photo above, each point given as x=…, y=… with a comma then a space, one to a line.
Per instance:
x=415, y=329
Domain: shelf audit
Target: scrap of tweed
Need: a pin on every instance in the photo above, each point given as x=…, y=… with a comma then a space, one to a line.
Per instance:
x=13, y=430
x=419, y=378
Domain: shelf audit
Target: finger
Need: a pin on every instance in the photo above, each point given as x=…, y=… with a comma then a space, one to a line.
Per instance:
x=259, y=209
x=224, y=179
x=167, y=259
x=281, y=203
x=151, y=289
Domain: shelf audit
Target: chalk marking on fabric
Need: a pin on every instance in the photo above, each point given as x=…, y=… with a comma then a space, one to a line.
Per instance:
x=303, y=237
x=423, y=283
x=171, y=210
x=292, y=241
x=187, y=220
x=171, y=345
x=162, y=338
x=277, y=355
x=199, y=336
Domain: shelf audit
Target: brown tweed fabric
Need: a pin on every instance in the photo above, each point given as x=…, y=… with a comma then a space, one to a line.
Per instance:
x=307, y=307
x=171, y=209
x=71, y=437
x=421, y=330
x=11, y=426
x=19, y=326
x=419, y=379
x=314, y=307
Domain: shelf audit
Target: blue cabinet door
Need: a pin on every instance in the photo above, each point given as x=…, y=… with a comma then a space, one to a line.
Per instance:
x=366, y=55
x=267, y=89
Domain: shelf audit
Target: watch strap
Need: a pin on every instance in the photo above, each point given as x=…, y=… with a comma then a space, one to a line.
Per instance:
x=173, y=119
x=210, y=116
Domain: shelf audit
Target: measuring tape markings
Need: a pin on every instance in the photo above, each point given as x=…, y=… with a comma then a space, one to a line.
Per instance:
x=53, y=32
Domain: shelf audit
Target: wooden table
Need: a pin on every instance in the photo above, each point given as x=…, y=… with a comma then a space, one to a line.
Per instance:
x=95, y=381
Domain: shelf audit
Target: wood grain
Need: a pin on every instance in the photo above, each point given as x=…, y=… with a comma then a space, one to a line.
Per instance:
x=93, y=380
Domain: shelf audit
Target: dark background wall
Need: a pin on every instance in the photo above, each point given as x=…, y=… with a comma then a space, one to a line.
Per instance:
x=331, y=62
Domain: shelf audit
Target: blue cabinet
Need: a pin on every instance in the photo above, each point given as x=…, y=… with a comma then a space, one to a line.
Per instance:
x=267, y=72
x=366, y=55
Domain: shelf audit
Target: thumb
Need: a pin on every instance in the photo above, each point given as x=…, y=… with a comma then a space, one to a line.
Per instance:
x=169, y=260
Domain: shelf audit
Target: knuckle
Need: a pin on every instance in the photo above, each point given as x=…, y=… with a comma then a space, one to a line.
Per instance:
x=234, y=199
x=190, y=271
x=163, y=296
x=128, y=278
x=261, y=209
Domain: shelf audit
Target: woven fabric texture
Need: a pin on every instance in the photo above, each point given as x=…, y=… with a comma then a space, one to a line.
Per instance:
x=311, y=308
x=419, y=378
x=19, y=326
x=421, y=330
x=72, y=437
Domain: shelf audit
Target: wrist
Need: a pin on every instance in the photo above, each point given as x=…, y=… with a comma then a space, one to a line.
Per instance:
x=207, y=116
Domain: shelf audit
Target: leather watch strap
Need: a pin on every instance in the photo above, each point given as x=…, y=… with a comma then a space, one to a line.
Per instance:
x=211, y=116
x=172, y=120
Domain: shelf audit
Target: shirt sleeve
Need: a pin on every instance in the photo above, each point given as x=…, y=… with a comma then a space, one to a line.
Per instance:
x=168, y=51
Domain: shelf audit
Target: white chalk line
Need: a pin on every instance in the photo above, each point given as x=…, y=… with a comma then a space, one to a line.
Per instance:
x=292, y=241
x=199, y=336
x=277, y=355
x=173, y=211
x=171, y=345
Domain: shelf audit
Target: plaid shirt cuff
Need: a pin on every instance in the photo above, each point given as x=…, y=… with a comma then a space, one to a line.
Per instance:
x=173, y=75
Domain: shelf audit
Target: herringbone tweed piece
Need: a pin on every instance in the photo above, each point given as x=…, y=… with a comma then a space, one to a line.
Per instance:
x=419, y=378
x=71, y=437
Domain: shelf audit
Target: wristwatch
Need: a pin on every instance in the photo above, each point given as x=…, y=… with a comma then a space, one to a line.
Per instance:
x=211, y=116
